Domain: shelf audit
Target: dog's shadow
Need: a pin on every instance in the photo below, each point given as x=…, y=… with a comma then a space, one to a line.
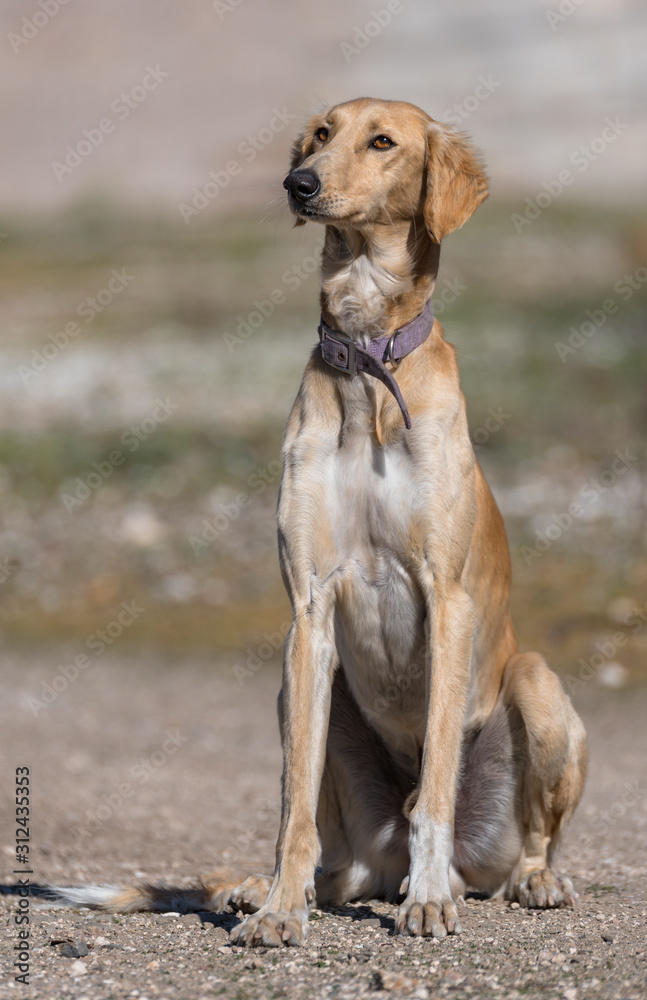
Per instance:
x=224, y=920
x=360, y=913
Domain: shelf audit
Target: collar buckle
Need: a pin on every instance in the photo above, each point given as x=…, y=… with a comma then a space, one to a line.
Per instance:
x=341, y=350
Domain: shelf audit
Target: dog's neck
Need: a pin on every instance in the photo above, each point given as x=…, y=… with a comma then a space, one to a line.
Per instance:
x=376, y=280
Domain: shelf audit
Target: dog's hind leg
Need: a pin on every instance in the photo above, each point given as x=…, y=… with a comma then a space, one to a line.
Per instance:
x=554, y=769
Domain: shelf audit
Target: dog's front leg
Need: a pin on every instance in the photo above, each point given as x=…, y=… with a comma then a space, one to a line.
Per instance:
x=309, y=662
x=428, y=908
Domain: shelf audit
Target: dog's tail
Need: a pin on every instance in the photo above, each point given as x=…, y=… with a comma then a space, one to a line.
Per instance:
x=210, y=894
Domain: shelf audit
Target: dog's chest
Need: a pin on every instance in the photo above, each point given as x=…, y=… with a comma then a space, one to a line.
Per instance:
x=372, y=496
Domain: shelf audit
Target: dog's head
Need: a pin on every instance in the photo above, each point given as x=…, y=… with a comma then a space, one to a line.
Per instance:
x=367, y=162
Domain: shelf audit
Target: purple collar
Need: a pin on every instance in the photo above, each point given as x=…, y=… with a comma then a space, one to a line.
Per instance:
x=349, y=356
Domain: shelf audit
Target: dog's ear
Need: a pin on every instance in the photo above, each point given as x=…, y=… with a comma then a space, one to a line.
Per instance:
x=456, y=183
x=302, y=147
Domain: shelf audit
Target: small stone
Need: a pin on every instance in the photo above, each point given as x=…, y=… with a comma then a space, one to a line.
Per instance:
x=545, y=956
x=558, y=959
x=370, y=922
x=599, y=916
x=514, y=906
x=393, y=982
x=190, y=919
x=77, y=969
x=101, y=941
x=570, y=994
x=68, y=950
x=224, y=949
x=608, y=937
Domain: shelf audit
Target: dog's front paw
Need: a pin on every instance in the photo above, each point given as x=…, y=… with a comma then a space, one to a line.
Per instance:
x=271, y=929
x=428, y=919
x=544, y=889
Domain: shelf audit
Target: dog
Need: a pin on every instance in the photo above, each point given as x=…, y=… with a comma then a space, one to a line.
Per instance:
x=423, y=753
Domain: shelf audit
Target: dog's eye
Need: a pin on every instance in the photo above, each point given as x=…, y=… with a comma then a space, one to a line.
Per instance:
x=382, y=142
x=322, y=134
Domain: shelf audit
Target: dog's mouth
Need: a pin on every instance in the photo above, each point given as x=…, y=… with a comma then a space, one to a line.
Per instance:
x=313, y=210
x=319, y=211
x=307, y=211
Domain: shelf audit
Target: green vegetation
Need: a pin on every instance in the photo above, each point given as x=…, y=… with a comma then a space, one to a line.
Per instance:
x=545, y=418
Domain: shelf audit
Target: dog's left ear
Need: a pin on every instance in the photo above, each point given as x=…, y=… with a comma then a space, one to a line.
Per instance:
x=456, y=181
x=302, y=147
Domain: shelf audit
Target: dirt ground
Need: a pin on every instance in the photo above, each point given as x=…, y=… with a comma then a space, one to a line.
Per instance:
x=167, y=770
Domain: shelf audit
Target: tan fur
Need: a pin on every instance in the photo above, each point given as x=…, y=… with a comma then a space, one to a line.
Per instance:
x=401, y=670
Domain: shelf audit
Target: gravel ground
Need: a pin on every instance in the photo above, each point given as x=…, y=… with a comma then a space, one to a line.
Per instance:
x=114, y=800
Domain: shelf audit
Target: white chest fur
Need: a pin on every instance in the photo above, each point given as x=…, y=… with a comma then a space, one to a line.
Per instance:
x=356, y=292
x=367, y=494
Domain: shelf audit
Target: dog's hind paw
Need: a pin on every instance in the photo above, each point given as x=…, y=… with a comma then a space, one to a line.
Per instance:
x=544, y=889
x=251, y=894
x=271, y=930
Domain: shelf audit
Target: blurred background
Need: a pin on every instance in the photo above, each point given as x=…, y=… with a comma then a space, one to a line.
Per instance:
x=147, y=371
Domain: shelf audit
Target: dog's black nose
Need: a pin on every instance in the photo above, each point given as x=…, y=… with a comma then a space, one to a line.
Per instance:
x=302, y=184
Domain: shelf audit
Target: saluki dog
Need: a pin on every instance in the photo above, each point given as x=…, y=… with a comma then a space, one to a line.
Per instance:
x=423, y=753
